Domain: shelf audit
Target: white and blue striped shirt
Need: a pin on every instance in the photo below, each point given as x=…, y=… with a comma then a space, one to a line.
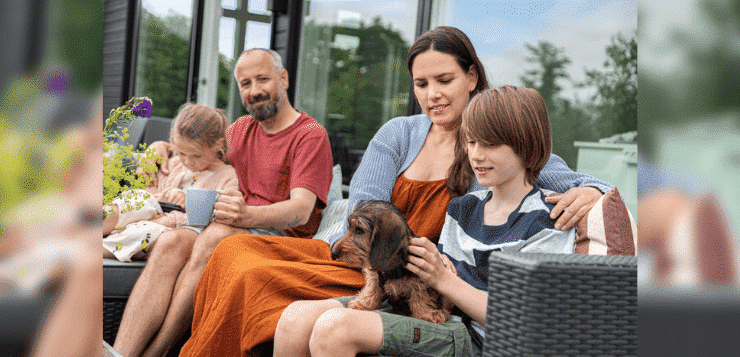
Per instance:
x=468, y=242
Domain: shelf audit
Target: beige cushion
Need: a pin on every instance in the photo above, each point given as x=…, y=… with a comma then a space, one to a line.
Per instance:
x=608, y=229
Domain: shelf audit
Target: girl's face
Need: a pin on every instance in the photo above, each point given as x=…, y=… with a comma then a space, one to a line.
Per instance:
x=196, y=156
x=441, y=87
x=495, y=165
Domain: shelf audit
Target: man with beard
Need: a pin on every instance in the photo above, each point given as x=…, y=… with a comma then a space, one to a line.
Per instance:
x=283, y=160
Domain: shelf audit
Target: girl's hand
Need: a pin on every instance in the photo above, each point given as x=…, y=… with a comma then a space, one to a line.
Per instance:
x=428, y=263
x=175, y=196
x=230, y=209
x=574, y=204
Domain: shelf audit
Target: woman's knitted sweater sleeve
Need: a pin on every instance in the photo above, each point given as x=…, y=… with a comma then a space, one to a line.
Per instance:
x=558, y=177
x=389, y=153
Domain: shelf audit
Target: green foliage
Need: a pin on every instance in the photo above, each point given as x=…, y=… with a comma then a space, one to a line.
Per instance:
x=117, y=176
x=369, y=84
x=81, y=42
x=615, y=101
x=612, y=110
x=36, y=162
x=163, y=61
x=550, y=65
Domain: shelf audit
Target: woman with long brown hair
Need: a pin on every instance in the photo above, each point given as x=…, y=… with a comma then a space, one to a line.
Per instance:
x=413, y=162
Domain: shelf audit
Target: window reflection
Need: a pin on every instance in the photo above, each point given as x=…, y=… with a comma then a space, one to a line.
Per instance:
x=352, y=76
x=163, y=56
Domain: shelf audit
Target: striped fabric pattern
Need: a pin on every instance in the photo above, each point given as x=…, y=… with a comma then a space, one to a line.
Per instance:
x=608, y=229
x=468, y=242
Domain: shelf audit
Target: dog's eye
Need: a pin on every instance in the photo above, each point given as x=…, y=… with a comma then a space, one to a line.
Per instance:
x=359, y=230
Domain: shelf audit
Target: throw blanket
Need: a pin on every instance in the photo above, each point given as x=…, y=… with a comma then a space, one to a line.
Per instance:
x=250, y=280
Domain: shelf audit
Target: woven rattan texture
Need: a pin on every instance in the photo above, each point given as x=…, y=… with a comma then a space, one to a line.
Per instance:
x=112, y=313
x=561, y=305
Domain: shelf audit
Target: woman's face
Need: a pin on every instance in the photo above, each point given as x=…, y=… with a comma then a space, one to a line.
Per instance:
x=441, y=86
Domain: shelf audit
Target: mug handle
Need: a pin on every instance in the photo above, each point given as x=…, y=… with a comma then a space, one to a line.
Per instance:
x=213, y=213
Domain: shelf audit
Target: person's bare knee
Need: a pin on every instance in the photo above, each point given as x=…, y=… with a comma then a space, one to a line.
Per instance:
x=346, y=330
x=296, y=322
x=209, y=238
x=172, y=248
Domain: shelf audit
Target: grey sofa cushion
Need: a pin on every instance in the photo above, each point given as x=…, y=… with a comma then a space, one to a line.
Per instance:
x=119, y=277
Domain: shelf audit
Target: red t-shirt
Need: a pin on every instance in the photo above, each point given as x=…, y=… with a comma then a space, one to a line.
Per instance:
x=270, y=165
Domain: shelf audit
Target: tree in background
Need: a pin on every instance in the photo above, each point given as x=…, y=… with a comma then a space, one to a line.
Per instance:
x=550, y=65
x=163, y=62
x=568, y=123
x=615, y=101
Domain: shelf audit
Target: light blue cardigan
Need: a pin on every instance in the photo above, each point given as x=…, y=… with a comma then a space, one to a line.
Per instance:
x=395, y=146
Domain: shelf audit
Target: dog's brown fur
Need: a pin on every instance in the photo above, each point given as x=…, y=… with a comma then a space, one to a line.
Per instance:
x=377, y=241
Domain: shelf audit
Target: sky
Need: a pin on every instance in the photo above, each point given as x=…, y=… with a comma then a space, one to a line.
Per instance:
x=500, y=31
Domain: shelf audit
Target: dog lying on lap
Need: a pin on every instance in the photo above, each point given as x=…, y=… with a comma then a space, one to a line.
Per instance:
x=377, y=241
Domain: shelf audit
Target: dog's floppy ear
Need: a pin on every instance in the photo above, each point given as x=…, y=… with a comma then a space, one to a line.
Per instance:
x=389, y=245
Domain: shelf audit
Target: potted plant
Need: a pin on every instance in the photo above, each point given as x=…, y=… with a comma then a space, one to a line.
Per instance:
x=120, y=158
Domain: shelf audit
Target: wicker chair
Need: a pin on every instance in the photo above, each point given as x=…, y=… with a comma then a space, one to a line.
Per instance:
x=561, y=305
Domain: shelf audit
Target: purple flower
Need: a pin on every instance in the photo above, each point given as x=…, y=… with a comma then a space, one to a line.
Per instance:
x=144, y=109
x=57, y=82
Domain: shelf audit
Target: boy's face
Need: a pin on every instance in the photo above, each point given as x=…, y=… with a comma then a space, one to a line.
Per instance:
x=495, y=165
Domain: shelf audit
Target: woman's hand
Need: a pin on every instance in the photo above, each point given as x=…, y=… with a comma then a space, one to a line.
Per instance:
x=230, y=209
x=161, y=149
x=175, y=196
x=428, y=263
x=574, y=204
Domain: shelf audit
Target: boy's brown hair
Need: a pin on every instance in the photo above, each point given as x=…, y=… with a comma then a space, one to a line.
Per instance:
x=202, y=124
x=514, y=116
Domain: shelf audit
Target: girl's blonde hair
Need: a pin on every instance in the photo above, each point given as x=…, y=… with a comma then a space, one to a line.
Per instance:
x=514, y=116
x=204, y=125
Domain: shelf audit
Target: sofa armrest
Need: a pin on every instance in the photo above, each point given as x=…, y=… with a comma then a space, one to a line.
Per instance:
x=561, y=304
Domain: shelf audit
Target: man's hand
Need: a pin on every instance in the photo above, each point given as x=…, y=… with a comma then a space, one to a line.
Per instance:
x=161, y=149
x=230, y=209
x=574, y=204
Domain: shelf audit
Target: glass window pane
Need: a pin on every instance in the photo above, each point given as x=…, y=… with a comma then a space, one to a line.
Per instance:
x=258, y=35
x=352, y=75
x=226, y=59
x=229, y=4
x=258, y=7
x=226, y=31
x=163, y=55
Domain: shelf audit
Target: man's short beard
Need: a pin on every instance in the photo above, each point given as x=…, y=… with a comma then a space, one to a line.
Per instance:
x=269, y=111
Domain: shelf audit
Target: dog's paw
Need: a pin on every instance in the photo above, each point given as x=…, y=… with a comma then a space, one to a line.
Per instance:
x=439, y=317
x=358, y=304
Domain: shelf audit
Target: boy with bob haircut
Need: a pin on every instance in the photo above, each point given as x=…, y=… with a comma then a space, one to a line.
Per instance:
x=507, y=138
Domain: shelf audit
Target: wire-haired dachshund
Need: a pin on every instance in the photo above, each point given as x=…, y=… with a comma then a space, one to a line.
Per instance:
x=377, y=241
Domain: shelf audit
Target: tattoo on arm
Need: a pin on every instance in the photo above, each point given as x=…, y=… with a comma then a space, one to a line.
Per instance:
x=295, y=223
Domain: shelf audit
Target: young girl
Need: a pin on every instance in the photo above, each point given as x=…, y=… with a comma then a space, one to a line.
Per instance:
x=198, y=136
x=508, y=143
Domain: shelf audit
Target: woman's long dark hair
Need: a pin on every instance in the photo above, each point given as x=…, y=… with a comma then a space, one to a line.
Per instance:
x=452, y=41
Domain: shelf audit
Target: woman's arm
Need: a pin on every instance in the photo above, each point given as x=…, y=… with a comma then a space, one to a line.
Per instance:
x=580, y=192
x=558, y=177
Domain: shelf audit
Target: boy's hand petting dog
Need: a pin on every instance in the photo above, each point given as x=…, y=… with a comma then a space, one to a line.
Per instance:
x=230, y=209
x=574, y=204
x=428, y=263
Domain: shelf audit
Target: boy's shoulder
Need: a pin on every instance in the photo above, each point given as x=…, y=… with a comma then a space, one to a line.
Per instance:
x=468, y=201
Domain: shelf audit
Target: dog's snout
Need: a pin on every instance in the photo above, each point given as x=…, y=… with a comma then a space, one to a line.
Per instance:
x=335, y=253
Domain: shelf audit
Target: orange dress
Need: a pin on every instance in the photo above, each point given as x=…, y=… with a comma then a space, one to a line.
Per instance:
x=250, y=280
x=424, y=203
